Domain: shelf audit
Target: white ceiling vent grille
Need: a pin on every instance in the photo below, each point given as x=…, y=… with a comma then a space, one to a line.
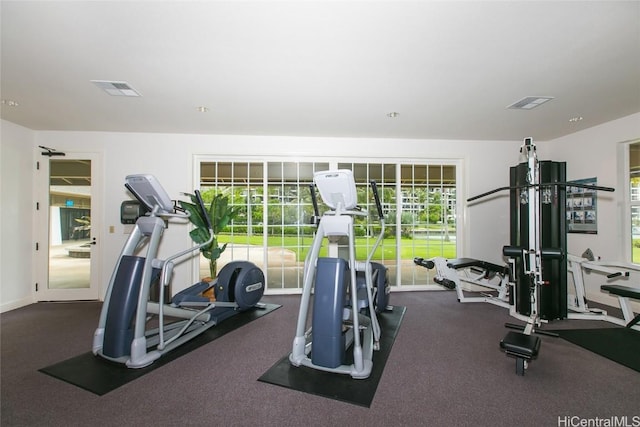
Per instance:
x=529, y=102
x=116, y=88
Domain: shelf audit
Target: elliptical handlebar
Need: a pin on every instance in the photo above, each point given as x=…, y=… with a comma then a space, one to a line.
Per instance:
x=168, y=263
x=315, y=220
x=203, y=208
x=376, y=196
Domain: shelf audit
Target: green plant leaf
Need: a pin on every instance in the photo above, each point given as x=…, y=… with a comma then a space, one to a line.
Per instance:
x=199, y=235
x=220, y=215
x=215, y=253
x=195, y=214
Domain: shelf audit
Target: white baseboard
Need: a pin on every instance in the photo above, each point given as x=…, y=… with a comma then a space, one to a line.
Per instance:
x=12, y=305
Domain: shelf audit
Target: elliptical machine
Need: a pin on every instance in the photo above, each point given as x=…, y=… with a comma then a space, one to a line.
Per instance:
x=137, y=289
x=343, y=288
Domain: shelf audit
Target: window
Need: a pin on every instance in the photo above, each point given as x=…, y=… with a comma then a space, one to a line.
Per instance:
x=428, y=214
x=634, y=200
x=289, y=230
x=275, y=230
x=242, y=182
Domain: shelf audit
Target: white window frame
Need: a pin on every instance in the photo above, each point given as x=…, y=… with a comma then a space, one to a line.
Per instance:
x=333, y=163
x=628, y=202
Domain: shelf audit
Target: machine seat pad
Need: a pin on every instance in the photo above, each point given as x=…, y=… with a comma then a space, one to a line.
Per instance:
x=623, y=291
x=521, y=345
x=458, y=263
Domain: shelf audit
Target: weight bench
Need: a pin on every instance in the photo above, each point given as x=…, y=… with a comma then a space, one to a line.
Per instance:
x=624, y=293
x=488, y=267
x=522, y=347
x=452, y=273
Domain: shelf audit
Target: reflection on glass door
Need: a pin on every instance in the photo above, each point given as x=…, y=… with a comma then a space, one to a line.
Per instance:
x=634, y=199
x=70, y=238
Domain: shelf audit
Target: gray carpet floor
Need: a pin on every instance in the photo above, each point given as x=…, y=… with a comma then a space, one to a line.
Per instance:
x=445, y=369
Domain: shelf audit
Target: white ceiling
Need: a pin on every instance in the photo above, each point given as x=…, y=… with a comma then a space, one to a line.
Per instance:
x=322, y=68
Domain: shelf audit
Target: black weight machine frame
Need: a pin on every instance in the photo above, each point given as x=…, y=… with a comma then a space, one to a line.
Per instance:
x=529, y=250
x=537, y=297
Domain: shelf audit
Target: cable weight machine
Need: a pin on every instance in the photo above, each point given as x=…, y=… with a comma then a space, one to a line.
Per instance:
x=537, y=250
x=538, y=237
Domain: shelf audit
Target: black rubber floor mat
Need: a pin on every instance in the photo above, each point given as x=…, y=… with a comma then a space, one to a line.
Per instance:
x=622, y=345
x=101, y=376
x=337, y=386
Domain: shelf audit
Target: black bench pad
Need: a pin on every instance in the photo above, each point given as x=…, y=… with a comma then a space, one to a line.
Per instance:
x=521, y=345
x=623, y=291
x=458, y=263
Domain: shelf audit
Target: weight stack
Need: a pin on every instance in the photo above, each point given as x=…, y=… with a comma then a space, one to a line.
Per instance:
x=553, y=233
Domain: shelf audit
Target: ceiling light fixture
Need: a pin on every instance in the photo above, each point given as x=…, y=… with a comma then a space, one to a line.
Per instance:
x=116, y=88
x=10, y=103
x=393, y=115
x=575, y=119
x=529, y=102
x=202, y=109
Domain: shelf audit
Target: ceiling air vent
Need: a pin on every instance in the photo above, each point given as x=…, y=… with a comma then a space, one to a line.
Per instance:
x=529, y=102
x=116, y=88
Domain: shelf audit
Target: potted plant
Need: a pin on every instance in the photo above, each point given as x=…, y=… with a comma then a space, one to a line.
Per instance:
x=220, y=215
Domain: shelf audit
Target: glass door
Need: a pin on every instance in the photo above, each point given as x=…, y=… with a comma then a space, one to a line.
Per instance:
x=72, y=230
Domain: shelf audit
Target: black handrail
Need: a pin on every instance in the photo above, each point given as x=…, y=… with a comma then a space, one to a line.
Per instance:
x=547, y=184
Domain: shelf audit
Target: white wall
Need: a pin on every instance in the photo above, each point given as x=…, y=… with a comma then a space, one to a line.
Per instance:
x=16, y=213
x=170, y=157
x=594, y=152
